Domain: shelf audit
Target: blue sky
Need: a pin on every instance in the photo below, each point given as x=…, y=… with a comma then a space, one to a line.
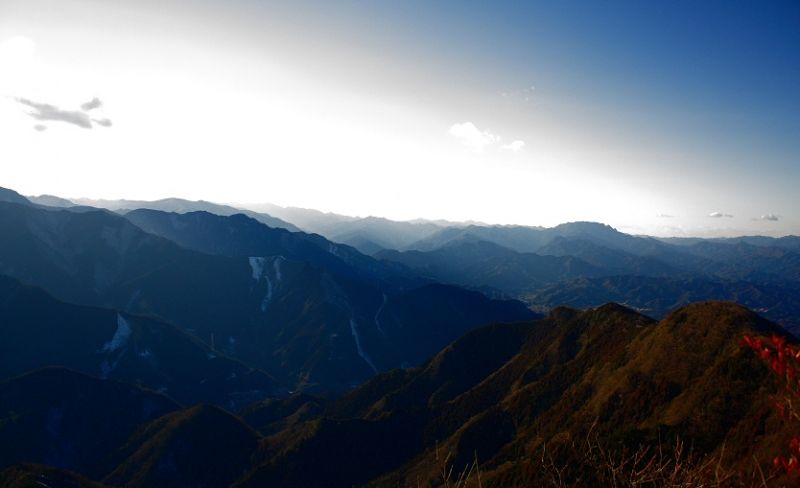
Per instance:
x=668, y=118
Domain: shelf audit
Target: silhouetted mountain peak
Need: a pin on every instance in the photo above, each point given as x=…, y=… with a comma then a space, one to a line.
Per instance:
x=585, y=227
x=51, y=201
x=11, y=196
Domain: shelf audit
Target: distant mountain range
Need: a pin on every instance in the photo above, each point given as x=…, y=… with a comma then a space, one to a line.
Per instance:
x=241, y=236
x=177, y=205
x=587, y=265
x=368, y=234
x=546, y=267
x=477, y=264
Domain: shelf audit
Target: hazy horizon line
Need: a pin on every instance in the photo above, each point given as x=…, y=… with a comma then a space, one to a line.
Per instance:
x=444, y=222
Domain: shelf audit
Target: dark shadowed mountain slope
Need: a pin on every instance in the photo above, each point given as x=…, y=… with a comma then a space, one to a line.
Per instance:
x=431, y=314
x=37, y=330
x=499, y=394
x=608, y=259
x=78, y=256
x=477, y=264
x=364, y=245
x=276, y=414
x=311, y=329
x=29, y=475
x=201, y=446
x=659, y=296
x=239, y=235
x=305, y=326
x=99, y=258
x=67, y=420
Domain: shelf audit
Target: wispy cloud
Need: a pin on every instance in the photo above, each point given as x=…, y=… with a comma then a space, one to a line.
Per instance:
x=46, y=112
x=469, y=135
x=515, y=146
x=719, y=215
x=478, y=140
x=664, y=216
x=92, y=104
x=769, y=217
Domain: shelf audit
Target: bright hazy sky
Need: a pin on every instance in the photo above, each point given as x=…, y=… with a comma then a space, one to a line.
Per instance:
x=666, y=118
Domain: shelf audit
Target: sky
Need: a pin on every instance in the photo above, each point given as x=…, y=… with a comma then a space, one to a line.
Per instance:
x=665, y=118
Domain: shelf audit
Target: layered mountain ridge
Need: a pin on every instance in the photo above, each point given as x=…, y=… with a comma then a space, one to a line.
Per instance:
x=328, y=319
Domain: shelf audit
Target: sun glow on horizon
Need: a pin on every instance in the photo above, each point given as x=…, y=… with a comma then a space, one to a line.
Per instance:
x=211, y=107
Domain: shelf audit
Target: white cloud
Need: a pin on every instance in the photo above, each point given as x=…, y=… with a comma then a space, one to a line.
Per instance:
x=515, y=146
x=664, y=216
x=46, y=112
x=92, y=104
x=769, y=217
x=472, y=137
x=719, y=215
